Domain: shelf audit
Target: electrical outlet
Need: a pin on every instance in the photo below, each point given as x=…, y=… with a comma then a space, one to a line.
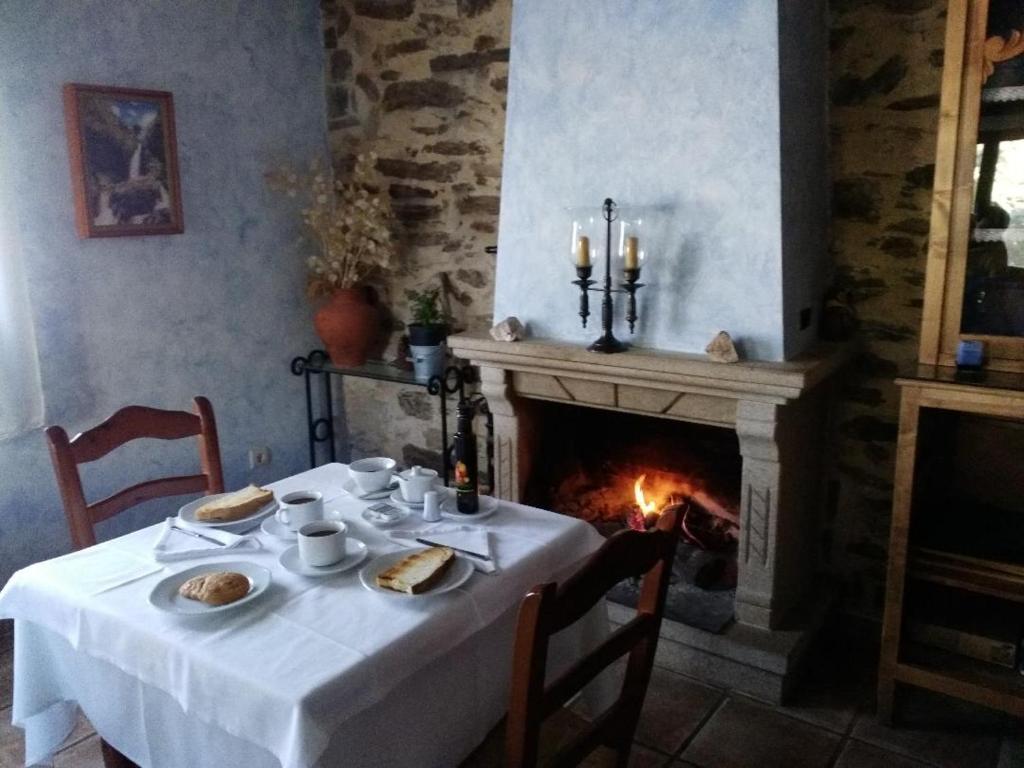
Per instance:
x=258, y=456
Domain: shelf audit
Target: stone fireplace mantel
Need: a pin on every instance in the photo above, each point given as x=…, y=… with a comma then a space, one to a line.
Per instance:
x=660, y=377
x=779, y=411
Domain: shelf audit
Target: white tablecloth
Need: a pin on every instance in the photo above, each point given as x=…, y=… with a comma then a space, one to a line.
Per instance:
x=315, y=672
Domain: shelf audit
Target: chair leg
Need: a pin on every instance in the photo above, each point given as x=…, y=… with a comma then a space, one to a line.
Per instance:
x=114, y=759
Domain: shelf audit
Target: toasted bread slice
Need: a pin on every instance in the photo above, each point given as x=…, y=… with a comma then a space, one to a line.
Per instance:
x=235, y=505
x=418, y=572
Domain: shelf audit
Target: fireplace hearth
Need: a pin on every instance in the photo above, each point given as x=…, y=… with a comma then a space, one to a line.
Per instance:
x=773, y=415
x=619, y=470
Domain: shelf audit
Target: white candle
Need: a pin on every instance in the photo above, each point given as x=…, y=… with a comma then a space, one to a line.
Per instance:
x=583, y=252
x=632, y=253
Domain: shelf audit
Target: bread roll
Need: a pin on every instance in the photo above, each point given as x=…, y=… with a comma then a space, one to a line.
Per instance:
x=235, y=506
x=218, y=588
x=418, y=572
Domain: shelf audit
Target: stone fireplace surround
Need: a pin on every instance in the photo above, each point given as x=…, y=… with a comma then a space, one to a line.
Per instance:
x=779, y=411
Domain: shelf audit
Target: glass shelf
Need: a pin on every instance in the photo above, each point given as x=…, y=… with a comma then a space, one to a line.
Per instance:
x=379, y=370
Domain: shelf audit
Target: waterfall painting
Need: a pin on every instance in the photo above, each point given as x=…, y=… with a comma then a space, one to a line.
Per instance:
x=124, y=162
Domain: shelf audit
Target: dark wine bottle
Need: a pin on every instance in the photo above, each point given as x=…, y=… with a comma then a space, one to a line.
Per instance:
x=464, y=459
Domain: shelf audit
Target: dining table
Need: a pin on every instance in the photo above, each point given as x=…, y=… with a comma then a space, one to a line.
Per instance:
x=314, y=671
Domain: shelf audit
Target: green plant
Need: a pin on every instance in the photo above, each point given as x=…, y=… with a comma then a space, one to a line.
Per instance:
x=425, y=307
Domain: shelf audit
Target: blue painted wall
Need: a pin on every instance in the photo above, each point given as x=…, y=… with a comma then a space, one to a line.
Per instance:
x=218, y=310
x=674, y=105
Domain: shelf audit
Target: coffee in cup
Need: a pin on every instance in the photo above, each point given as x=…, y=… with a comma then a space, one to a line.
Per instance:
x=299, y=508
x=322, y=543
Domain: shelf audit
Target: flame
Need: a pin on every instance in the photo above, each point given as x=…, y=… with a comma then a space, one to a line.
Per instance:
x=647, y=507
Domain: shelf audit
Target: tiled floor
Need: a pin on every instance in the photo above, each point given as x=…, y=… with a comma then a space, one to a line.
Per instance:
x=686, y=723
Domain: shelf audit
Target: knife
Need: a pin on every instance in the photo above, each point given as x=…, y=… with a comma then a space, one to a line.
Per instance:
x=200, y=536
x=477, y=555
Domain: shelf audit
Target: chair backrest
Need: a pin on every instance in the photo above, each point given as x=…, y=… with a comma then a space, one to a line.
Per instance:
x=131, y=423
x=550, y=607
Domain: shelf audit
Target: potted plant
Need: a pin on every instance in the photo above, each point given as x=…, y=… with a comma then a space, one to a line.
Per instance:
x=427, y=333
x=349, y=225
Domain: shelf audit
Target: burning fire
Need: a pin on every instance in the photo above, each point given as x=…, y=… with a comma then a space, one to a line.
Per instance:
x=647, y=507
x=713, y=530
x=646, y=511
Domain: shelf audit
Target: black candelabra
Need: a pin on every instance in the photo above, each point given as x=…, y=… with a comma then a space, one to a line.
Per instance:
x=607, y=343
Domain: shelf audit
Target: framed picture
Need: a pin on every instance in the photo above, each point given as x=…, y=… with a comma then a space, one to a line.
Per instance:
x=124, y=161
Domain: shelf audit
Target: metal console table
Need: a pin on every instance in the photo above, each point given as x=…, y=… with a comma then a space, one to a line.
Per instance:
x=320, y=429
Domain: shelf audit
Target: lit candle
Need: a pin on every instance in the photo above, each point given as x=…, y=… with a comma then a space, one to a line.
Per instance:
x=583, y=252
x=632, y=253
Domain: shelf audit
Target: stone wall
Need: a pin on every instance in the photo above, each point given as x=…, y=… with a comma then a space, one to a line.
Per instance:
x=886, y=68
x=422, y=82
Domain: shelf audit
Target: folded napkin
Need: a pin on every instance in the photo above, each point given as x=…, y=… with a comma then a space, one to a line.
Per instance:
x=176, y=541
x=467, y=540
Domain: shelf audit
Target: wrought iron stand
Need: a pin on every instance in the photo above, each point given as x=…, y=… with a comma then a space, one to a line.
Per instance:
x=320, y=429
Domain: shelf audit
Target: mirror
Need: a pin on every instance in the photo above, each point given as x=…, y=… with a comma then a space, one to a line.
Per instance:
x=974, y=284
x=993, y=297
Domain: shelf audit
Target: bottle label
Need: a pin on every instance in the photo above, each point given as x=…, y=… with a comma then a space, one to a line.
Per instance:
x=463, y=480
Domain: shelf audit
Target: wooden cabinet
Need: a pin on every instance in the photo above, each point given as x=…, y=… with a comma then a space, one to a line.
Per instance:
x=958, y=501
x=937, y=488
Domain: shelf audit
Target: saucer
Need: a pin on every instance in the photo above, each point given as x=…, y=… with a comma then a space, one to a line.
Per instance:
x=350, y=487
x=487, y=506
x=274, y=527
x=355, y=553
x=397, y=498
x=379, y=522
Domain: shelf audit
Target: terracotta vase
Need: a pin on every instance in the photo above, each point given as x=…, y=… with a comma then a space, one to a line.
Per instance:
x=347, y=325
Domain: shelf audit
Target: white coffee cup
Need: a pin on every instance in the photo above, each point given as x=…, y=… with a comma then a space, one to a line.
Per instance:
x=322, y=543
x=299, y=508
x=371, y=474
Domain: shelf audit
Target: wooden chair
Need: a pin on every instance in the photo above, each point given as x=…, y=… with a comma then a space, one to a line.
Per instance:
x=550, y=608
x=131, y=423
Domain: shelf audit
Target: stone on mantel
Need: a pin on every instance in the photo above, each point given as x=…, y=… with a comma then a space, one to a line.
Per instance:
x=509, y=329
x=721, y=349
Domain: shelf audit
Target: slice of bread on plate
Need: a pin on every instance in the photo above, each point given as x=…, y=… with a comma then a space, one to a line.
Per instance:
x=234, y=506
x=418, y=572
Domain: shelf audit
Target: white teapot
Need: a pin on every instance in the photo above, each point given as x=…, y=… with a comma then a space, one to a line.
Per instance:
x=415, y=482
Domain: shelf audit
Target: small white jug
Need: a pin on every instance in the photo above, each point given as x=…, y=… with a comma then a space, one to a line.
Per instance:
x=415, y=482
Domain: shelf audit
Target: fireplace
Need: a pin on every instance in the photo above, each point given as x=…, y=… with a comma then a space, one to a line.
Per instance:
x=617, y=470
x=774, y=416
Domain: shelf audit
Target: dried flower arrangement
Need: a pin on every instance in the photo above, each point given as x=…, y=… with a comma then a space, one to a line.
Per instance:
x=350, y=223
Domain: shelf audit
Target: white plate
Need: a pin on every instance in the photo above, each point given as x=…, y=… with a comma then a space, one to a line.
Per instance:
x=487, y=506
x=355, y=553
x=376, y=522
x=274, y=527
x=188, y=513
x=457, y=574
x=165, y=597
x=350, y=487
x=398, y=498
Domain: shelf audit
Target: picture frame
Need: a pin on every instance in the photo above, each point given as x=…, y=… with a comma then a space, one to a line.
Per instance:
x=124, y=161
